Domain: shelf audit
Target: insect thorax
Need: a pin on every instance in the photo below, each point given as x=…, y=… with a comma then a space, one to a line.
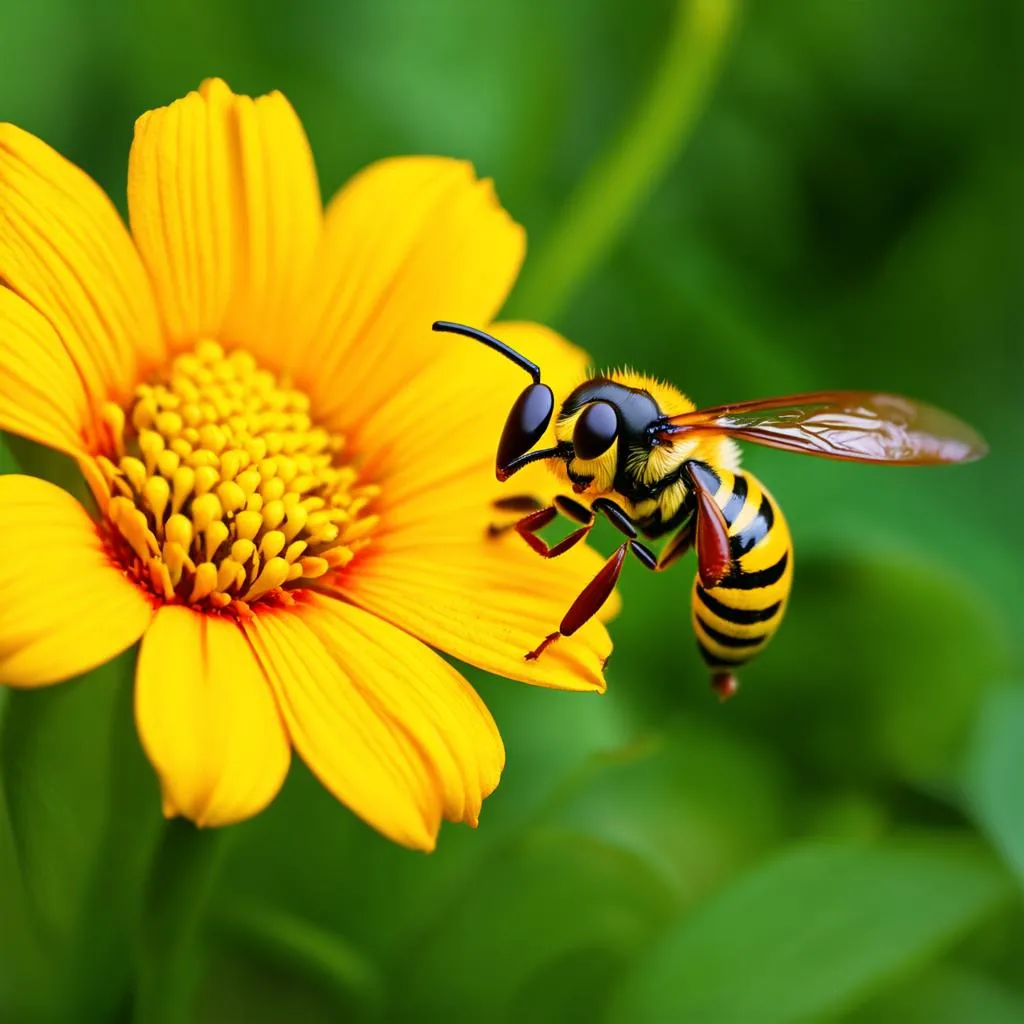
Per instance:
x=641, y=474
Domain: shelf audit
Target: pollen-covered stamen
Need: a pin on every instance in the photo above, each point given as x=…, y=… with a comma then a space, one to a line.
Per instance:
x=222, y=488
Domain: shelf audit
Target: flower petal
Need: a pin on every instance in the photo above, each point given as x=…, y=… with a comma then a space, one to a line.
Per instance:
x=407, y=241
x=64, y=250
x=66, y=608
x=225, y=208
x=342, y=730
x=432, y=569
x=486, y=602
x=207, y=718
x=423, y=695
x=41, y=395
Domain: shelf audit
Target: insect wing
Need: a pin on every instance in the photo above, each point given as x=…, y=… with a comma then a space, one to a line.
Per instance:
x=861, y=426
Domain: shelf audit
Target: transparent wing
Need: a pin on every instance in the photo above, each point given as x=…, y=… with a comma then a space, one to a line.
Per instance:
x=862, y=426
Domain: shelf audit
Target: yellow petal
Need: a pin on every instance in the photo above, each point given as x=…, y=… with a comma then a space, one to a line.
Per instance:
x=343, y=732
x=207, y=718
x=225, y=209
x=407, y=241
x=486, y=602
x=64, y=249
x=41, y=395
x=65, y=607
x=431, y=568
x=423, y=695
x=444, y=427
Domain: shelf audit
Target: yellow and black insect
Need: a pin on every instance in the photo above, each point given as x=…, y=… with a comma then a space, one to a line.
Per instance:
x=638, y=452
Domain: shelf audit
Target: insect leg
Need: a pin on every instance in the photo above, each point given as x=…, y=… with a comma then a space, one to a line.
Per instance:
x=712, y=534
x=520, y=503
x=574, y=510
x=599, y=589
x=528, y=526
x=644, y=555
x=680, y=543
x=589, y=602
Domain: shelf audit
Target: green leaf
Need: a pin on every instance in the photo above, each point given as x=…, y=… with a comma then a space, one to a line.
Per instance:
x=554, y=733
x=242, y=989
x=321, y=958
x=811, y=932
x=553, y=895
x=945, y=995
x=871, y=640
x=632, y=835
x=994, y=773
x=692, y=802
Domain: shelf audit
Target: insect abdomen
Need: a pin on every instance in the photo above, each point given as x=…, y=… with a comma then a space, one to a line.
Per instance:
x=735, y=619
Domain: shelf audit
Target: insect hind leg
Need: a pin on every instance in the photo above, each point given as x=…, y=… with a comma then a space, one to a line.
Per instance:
x=680, y=543
x=589, y=601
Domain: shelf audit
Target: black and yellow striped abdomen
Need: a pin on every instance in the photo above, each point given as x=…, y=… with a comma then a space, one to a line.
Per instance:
x=735, y=619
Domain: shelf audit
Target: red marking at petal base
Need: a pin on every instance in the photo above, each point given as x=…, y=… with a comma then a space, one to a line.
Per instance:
x=277, y=600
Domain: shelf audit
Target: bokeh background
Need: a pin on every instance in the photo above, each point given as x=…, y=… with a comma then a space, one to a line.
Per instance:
x=844, y=841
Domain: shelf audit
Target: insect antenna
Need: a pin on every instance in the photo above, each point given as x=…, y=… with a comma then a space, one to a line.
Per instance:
x=491, y=342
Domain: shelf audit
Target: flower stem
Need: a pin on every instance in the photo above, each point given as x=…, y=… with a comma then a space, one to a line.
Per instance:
x=619, y=182
x=177, y=893
x=99, y=972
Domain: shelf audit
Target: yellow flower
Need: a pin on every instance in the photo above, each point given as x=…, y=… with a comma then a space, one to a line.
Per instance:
x=291, y=473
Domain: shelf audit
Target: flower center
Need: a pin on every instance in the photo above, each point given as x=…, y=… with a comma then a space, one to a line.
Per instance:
x=224, y=491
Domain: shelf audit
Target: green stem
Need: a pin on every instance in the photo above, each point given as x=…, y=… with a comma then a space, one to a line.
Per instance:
x=100, y=967
x=620, y=181
x=178, y=890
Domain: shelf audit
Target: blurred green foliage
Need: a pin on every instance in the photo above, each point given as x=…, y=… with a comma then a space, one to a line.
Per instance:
x=842, y=842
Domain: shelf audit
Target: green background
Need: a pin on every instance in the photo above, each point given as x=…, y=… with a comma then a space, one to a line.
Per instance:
x=844, y=841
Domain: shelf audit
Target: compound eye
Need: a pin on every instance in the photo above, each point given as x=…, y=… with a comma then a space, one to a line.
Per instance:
x=526, y=423
x=595, y=431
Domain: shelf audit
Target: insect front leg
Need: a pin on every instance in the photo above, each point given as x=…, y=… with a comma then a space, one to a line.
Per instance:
x=528, y=526
x=518, y=504
x=599, y=589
